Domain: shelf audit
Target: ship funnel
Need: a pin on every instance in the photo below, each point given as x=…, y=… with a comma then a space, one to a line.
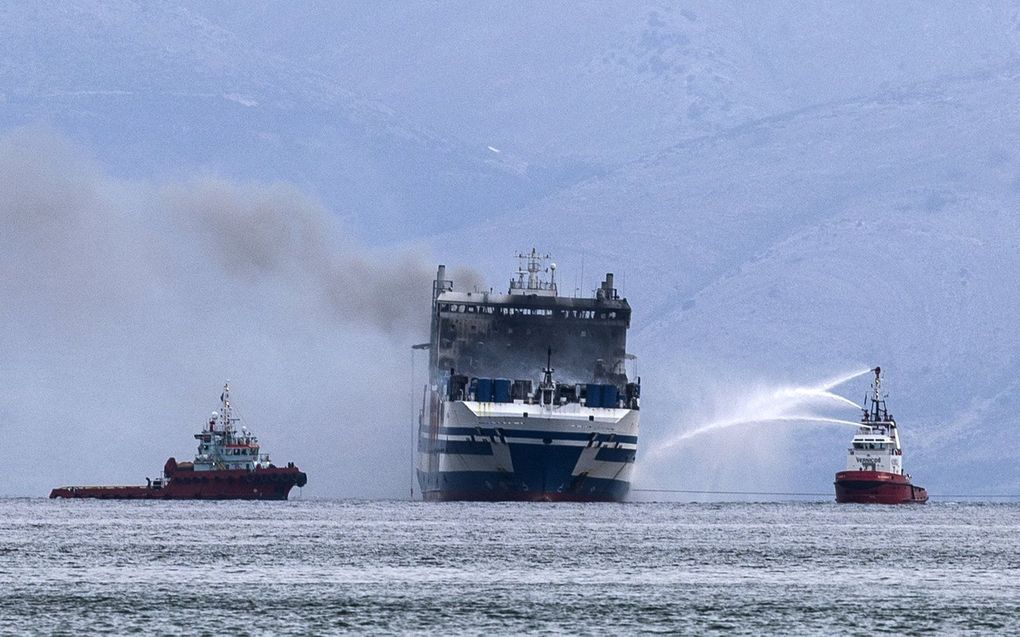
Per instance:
x=608, y=291
x=440, y=285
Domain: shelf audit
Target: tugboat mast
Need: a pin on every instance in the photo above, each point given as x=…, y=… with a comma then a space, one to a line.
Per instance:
x=228, y=419
x=878, y=412
x=876, y=397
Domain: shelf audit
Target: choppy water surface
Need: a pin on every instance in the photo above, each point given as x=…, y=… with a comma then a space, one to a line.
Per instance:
x=323, y=567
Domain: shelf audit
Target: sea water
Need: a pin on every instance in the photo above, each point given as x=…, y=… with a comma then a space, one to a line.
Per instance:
x=320, y=567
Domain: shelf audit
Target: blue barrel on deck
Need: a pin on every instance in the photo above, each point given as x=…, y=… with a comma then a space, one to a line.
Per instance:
x=483, y=391
x=593, y=395
x=610, y=396
x=501, y=390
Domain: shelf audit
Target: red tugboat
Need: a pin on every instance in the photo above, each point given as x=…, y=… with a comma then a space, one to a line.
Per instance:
x=874, y=472
x=228, y=466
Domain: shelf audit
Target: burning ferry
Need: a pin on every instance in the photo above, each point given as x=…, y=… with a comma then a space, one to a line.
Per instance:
x=528, y=395
x=229, y=466
x=874, y=472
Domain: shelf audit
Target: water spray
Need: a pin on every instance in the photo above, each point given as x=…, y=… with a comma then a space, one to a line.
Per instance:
x=836, y=382
x=775, y=407
x=809, y=392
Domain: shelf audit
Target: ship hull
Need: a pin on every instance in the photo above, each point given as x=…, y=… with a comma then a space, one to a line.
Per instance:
x=877, y=487
x=564, y=457
x=540, y=475
x=274, y=483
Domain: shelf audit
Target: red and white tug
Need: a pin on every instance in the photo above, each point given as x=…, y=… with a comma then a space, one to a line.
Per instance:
x=874, y=471
x=229, y=465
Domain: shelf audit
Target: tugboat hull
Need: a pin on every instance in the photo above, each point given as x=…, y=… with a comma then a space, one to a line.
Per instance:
x=273, y=483
x=228, y=466
x=877, y=487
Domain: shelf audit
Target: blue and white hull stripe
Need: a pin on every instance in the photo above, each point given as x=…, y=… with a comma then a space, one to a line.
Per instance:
x=557, y=454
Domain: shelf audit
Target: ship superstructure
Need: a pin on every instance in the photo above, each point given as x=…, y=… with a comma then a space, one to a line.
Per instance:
x=528, y=395
x=228, y=465
x=874, y=469
x=222, y=446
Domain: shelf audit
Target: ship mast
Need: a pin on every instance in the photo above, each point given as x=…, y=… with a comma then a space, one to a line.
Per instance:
x=877, y=418
x=228, y=419
x=531, y=265
x=225, y=405
x=877, y=396
x=879, y=413
x=548, y=386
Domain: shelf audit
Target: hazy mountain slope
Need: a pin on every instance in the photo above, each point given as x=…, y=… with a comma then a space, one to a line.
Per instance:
x=615, y=81
x=928, y=294
x=679, y=219
x=159, y=89
x=879, y=230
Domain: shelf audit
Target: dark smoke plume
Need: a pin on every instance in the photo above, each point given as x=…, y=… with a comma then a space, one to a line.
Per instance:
x=124, y=305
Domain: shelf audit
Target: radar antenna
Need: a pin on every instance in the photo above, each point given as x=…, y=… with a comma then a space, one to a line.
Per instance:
x=532, y=266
